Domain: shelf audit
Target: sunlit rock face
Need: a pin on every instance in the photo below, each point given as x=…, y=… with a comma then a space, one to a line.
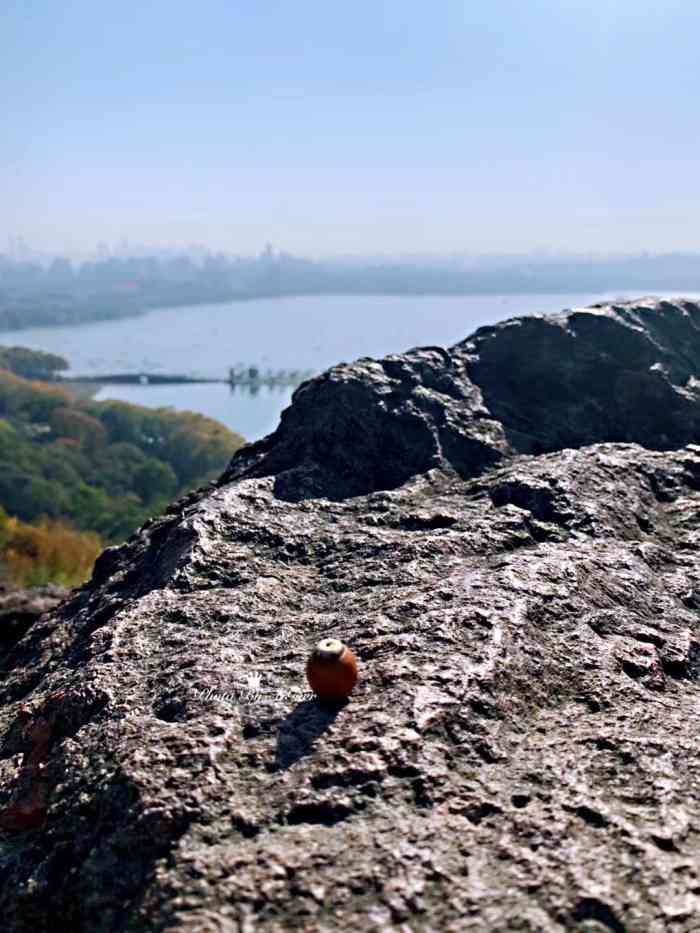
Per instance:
x=516, y=570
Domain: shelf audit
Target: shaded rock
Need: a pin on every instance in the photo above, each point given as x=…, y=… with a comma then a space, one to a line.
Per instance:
x=612, y=372
x=20, y=608
x=626, y=372
x=373, y=424
x=521, y=751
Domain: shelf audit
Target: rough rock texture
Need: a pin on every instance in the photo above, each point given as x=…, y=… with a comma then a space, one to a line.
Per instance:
x=625, y=372
x=373, y=424
x=523, y=748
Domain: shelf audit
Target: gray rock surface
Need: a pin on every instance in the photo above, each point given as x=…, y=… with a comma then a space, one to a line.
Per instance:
x=624, y=372
x=522, y=750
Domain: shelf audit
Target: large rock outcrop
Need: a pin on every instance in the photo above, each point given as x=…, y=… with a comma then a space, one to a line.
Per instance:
x=523, y=596
x=626, y=372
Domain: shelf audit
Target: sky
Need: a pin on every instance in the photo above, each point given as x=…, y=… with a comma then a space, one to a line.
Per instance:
x=377, y=126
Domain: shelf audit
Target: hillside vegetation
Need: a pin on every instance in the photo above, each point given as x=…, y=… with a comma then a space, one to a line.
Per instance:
x=102, y=468
x=51, y=552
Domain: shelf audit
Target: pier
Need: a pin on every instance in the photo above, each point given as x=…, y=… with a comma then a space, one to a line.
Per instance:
x=247, y=376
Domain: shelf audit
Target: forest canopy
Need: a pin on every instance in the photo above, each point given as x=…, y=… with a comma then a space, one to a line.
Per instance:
x=32, y=364
x=103, y=468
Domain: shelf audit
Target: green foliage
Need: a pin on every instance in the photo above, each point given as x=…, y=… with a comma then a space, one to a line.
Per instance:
x=102, y=466
x=154, y=480
x=32, y=364
x=73, y=424
x=196, y=447
x=24, y=401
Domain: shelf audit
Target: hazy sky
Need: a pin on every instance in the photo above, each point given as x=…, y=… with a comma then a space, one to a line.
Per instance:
x=354, y=127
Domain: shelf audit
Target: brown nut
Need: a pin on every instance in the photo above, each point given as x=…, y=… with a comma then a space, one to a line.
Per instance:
x=332, y=670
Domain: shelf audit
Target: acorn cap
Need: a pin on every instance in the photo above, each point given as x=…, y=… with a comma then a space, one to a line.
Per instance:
x=329, y=649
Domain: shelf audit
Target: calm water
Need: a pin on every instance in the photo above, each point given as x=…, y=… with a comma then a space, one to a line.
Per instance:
x=286, y=333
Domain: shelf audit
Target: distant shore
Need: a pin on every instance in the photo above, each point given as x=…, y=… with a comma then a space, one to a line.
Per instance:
x=28, y=318
x=112, y=286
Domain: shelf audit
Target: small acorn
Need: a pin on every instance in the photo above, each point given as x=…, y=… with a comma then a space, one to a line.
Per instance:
x=332, y=670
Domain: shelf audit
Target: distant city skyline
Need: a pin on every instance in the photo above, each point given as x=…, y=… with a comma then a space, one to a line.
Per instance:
x=382, y=127
x=18, y=249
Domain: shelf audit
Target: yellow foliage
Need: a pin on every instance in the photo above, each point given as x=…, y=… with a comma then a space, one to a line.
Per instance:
x=50, y=552
x=12, y=385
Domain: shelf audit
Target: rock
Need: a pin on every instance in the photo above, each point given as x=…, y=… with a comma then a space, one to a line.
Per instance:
x=522, y=748
x=373, y=424
x=617, y=372
x=20, y=608
x=626, y=372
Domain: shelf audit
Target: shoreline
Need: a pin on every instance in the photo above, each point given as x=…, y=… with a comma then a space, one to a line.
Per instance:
x=142, y=311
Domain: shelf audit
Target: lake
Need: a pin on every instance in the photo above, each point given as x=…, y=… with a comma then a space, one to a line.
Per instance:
x=305, y=333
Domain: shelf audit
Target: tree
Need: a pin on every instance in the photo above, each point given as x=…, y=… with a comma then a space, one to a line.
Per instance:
x=101, y=466
x=76, y=424
x=155, y=480
x=31, y=364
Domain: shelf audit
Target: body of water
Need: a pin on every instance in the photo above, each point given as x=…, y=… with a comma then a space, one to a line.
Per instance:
x=305, y=333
